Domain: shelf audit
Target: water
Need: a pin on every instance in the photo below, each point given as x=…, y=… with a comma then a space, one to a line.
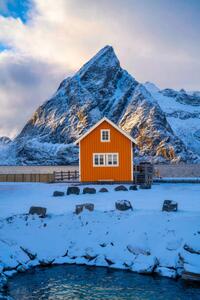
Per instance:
x=81, y=282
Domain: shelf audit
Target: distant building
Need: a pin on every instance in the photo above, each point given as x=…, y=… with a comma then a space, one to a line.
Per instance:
x=106, y=153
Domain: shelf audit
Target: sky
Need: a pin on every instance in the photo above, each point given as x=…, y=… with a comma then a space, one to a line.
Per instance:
x=44, y=41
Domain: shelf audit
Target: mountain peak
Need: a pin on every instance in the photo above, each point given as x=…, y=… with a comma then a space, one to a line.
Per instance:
x=105, y=58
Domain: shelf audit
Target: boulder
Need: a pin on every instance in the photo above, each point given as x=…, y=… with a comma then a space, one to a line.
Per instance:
x=46, y=262
x=123, y=205
x=190, y=276
x=137, y=250
x=144, y=264
x=133, y=188
x=120, y=188
x=191, y=249
x=169, y=205
x=145, y=186
x=29, y=253
x=103, y=190
x=73, y=190
x=37, y=210
x=88, y=190
x=58, y=194
x=81, y=207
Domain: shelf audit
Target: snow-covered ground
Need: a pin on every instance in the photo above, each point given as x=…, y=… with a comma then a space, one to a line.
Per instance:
x=16, y=198
x=144, y=239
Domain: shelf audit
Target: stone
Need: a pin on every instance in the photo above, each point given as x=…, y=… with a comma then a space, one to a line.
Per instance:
x=190, y=276
x=22, y=269
x=133, y=188
x=145, y=186
x=88, y=190
x=191, y=250
x=73, y=190
x=58, y=194
x=31, y=255
x=144, y=264
x=103, y=190
x=120, y=188
x=123, y=205
x=169, y=205
x=46, y=262
x=40, y=211
x=81, y=207
x=138, y=250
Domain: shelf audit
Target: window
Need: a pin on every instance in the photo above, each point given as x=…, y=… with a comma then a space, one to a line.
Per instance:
x=105, y=135
x=105, y=159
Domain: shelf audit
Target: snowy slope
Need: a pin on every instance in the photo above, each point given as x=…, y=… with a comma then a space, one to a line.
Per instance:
x=182, y=110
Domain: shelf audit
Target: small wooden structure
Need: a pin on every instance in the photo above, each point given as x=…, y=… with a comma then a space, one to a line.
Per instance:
x=106, y=154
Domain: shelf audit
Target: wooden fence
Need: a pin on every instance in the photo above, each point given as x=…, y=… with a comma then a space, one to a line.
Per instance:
x=66, y=176
x=143, y=173
x=26, y=178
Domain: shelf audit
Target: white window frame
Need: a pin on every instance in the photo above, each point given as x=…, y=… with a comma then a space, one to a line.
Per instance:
x=105, y=160
x=107, y=130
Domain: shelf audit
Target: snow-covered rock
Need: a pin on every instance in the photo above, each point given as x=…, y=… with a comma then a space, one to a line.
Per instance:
x=145, y=240
x=4, y=140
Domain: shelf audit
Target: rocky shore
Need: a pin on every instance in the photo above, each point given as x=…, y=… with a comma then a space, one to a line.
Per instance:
x=102, y=229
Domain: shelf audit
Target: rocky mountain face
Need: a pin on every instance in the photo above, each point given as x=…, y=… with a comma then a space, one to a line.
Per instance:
x=4, y=140
x=182, y=111
x=102, y=88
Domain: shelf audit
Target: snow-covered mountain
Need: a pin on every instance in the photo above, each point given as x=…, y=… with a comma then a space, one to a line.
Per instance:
x=102, y=88
x=182, y=110
x=4, y=140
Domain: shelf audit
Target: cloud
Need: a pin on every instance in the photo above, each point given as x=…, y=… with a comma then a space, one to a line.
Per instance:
x=156, y=42
x=24, y=84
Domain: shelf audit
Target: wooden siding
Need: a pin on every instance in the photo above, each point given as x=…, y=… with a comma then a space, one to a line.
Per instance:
x=118, y=144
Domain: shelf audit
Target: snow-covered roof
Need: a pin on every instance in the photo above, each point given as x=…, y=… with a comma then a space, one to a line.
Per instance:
x=112, y=124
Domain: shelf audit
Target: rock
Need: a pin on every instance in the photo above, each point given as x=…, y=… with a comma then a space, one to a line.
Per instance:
x=123, y=205
x=40, y=211
x=120, y=188
x=144, y=264
x=88, y=190
x=166, y=272
x=73, y=190
x=145, y=186
x=46, y=262
x=190, y=276
x=133, y=188
x=80, y=207
x=103, y=190
x=58, y=194
x=31, y=255
x=137, y=250
x=109, y=261
x=169, y=205
x=3, y=283
x=191, y=250
x=21, y=269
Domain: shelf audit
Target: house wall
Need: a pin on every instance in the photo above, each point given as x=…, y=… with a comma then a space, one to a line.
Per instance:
x=118, y=144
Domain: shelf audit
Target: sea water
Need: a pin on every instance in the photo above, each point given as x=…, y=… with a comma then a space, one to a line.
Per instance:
x=89, y=283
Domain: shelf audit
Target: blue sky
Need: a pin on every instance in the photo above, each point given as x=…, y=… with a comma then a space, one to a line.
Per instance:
x=43, y=41
x=15, y=9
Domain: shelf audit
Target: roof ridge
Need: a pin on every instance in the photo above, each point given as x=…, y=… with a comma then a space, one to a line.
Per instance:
x=111, y=123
